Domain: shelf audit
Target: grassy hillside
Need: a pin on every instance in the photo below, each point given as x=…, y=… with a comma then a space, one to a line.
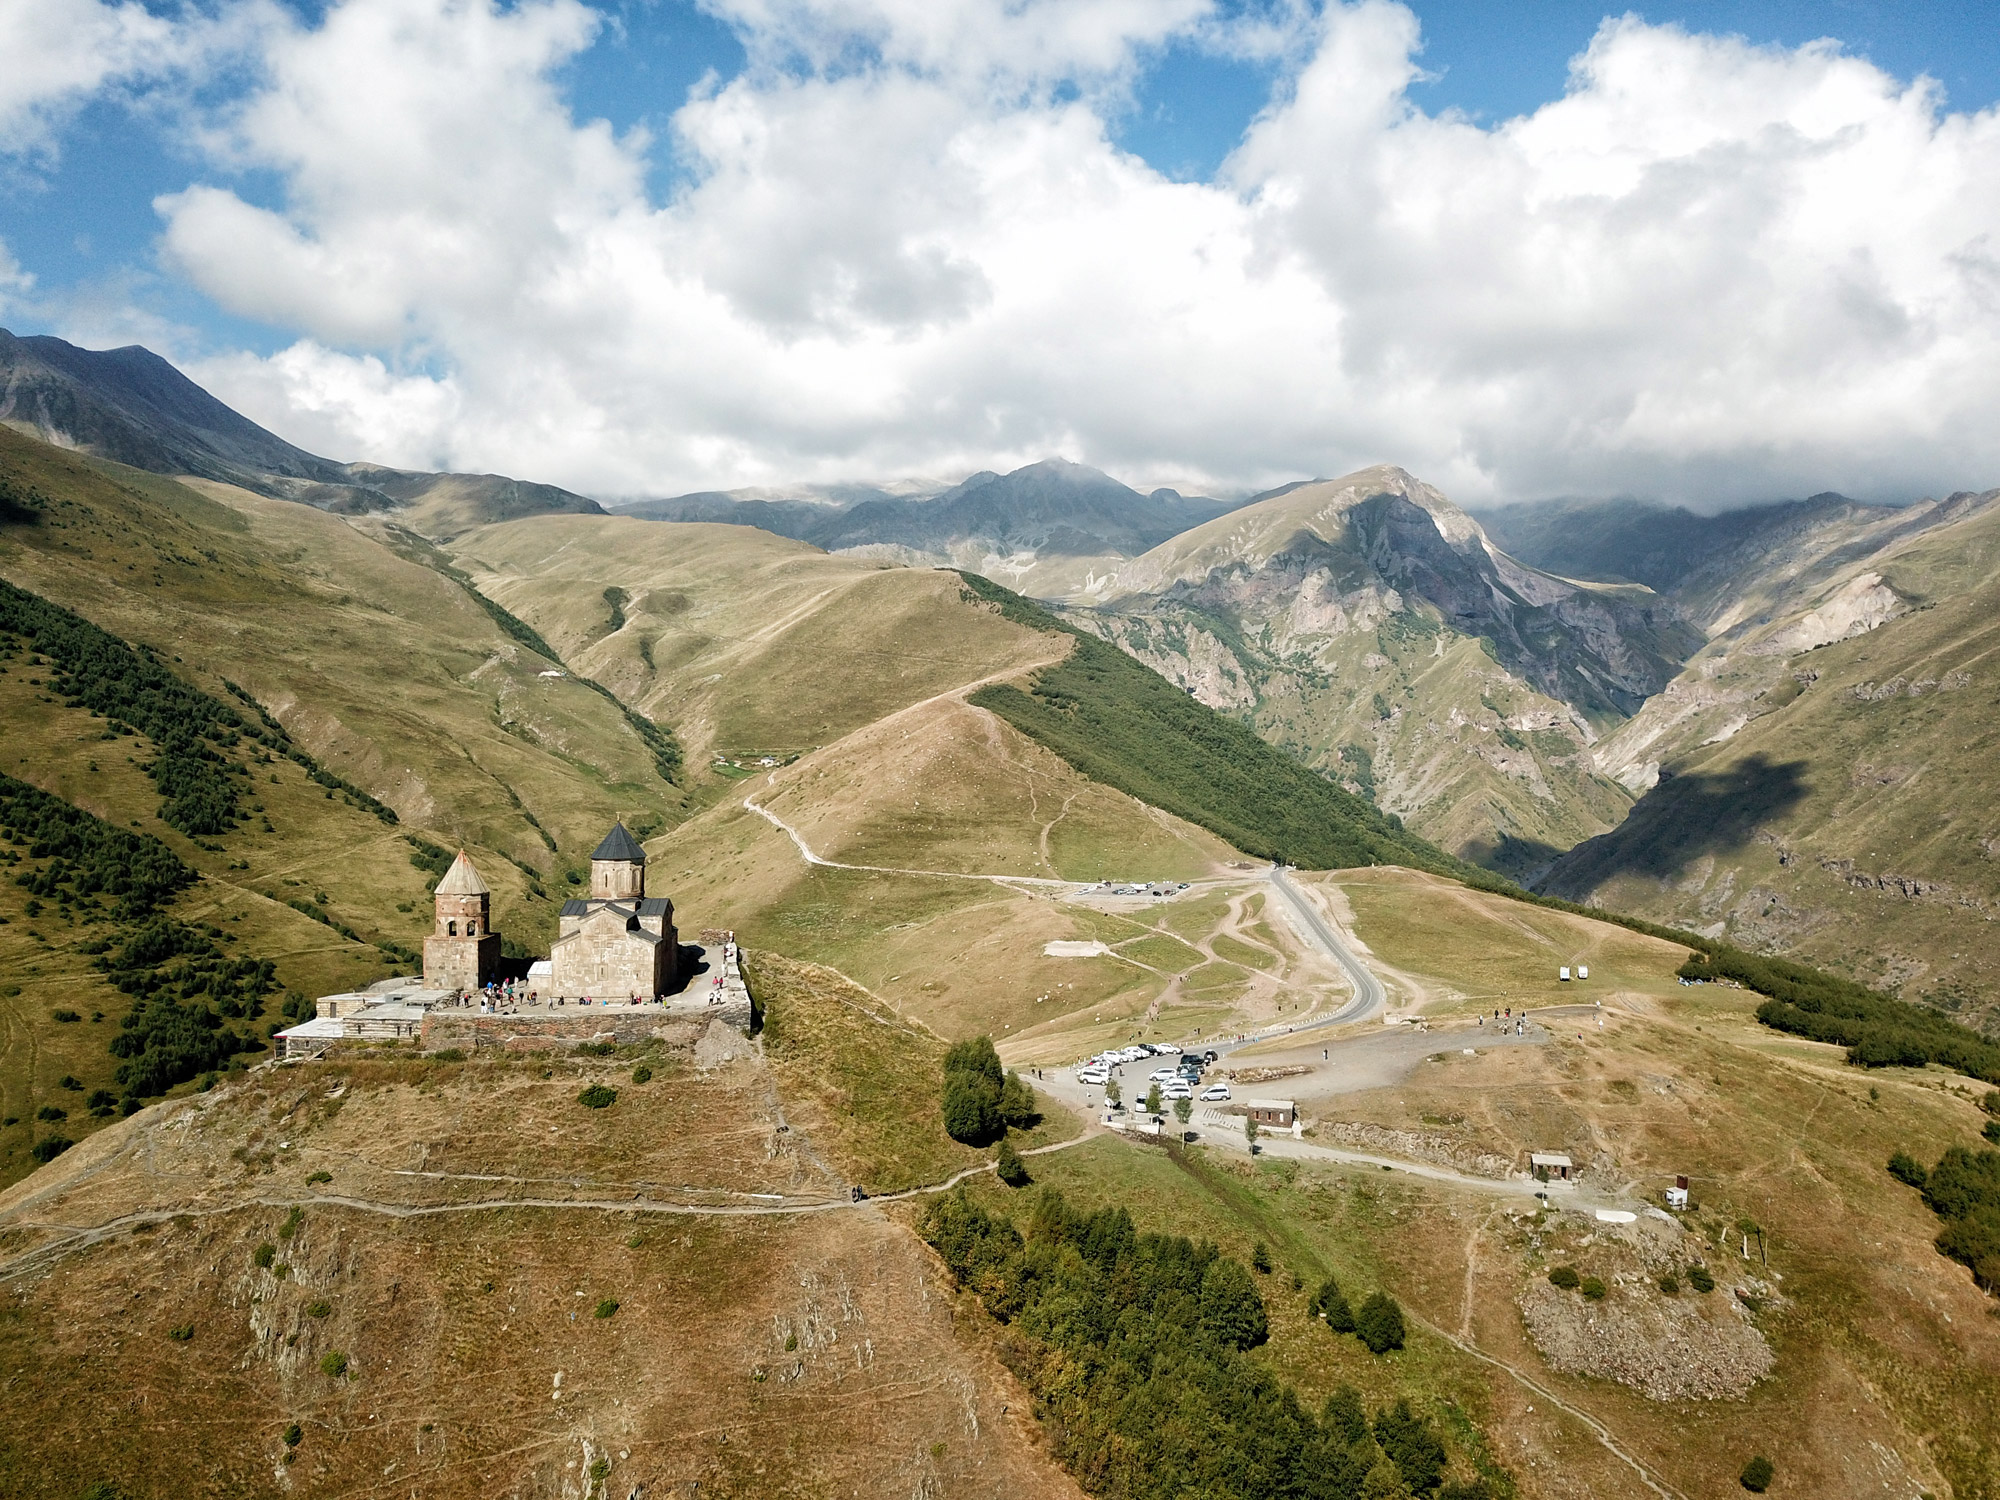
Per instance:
x=1848, y=822
x=1121, y=723
x=410, y=1317
x=727, y=632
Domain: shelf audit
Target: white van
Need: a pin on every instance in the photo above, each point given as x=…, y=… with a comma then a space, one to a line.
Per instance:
x=1563, y=973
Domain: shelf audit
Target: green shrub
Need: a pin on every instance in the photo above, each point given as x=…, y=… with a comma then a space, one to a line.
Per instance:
x=264, y=1255
x=449, y=1055
x=49, y=1147
x=1017, y=1104
x=1231, y=1310
x=319, y=1309
x=65, y=1016
x=1565, y=1277
x=607, y=1308
x=1670, y=1284
x=103, y=1489
x=1906, y=1168
x=1412, y=1445
x=1756, y=1475
x=1991, y=1131
x=1009, y=1167
x=1991, y=1103
x=1592, y=1288
x=596, y=1049
x=1700, y=1279
x=333, y=1364
x=318, y=1177
x=1331, y=1304
x=294, y=1435
x=973, y=1087
x=181, y=1333
x=70, y=1082
x=1379, y=1322
x=597, y=1096
x=51, y=1113
x=642, y=1074
x=292, y=1222
x=1963, y=1189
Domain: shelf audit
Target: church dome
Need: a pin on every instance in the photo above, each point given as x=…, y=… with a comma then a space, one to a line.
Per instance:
x=620, y=845
x=462, y=880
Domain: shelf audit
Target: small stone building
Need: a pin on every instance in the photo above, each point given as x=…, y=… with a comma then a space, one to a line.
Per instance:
x=619, y=942
x=464, y=952
x=1278, y=1114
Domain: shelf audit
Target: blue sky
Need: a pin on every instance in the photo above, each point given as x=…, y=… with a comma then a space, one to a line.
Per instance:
x=1716, y=262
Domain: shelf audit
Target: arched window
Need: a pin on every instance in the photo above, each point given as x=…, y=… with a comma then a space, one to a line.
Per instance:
x=472, y=929
x=451, y=929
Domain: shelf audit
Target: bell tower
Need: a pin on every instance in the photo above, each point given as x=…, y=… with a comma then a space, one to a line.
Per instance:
x=463, y=950
x=617, y=867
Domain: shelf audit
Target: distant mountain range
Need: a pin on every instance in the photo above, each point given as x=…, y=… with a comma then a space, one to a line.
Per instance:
x=131, y=406
x=1010, y=524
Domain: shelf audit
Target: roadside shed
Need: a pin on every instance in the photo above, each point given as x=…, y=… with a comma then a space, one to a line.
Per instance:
x=1550, y=1166
x=1280, y=1114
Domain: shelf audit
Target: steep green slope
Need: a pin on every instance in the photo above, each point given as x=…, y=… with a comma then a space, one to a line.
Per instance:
x=1119, y=722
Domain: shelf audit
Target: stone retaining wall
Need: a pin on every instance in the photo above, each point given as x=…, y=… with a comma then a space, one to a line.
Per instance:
x=471, y=1031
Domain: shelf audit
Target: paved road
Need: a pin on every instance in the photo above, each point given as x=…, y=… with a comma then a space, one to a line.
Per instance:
x=1369, y=996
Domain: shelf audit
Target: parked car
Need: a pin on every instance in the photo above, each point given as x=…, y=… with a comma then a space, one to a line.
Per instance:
x=1210, y=1057
x=1163, y=1049
x=1094, y=1077
x=1178, y=1089
x=1135, y=1053
x=1215, y=1093
x=1163, y=1075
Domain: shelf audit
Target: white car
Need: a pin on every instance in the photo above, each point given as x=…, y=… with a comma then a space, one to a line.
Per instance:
x=1215, y=1092
x=1165, y=1049
x=1163, y=1075
x=1094, y=1077
x=1178, y=1089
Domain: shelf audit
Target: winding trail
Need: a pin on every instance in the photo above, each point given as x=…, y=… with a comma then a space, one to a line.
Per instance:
x=806, y=853
x=41, y=1256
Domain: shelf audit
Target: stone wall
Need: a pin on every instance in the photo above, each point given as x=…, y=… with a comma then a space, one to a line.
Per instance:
x=470, y=1031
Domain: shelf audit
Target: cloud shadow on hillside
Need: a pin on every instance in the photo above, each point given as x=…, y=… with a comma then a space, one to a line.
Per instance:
x=1679, y=822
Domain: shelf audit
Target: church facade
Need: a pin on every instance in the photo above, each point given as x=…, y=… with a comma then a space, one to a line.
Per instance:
x=619, y=942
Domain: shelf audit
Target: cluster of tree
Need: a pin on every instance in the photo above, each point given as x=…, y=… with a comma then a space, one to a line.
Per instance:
x=429, y=858
x=1134, y=1347
x=1378, y=1323
x=185, y=985
x=1878, y=1030
x=1119, y=722
x=1963, y=1189
x=981, y=1103
x=86, y=856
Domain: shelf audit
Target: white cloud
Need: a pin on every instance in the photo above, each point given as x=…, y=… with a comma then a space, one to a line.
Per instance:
x=58, y=53
x=909, y=245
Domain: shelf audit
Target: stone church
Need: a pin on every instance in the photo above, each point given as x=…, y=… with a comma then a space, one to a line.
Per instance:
x=464, y=951
x=620, y=942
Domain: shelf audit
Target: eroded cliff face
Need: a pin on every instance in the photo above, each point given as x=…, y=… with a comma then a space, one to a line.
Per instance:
x=1368, y=626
